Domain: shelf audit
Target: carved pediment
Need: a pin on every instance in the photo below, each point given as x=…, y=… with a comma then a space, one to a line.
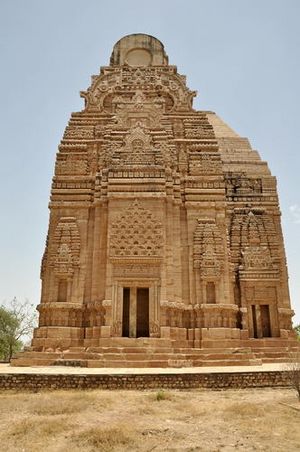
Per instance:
x=165, y=89
x=137, y=149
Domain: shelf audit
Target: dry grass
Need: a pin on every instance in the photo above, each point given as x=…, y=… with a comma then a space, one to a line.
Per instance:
x=107, y=438
x=70, y=402
x=250, y=410
x=123, y=421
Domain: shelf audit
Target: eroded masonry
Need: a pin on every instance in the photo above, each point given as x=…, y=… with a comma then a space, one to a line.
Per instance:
x=164, y=231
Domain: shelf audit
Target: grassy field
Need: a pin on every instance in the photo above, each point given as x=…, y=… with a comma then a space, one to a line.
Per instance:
x=246, y=420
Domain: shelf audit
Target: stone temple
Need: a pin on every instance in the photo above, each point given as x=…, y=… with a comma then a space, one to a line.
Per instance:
x=165, y=245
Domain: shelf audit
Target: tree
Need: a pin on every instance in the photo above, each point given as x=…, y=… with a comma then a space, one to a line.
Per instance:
x=294, y=371
x=297, y=329
x=293, y=366
x=8, y=342
x=17, y=321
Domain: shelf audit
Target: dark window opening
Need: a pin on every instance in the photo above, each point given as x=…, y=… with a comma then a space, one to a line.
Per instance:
x=142, y=314
x=254, y=321
x=126, y=307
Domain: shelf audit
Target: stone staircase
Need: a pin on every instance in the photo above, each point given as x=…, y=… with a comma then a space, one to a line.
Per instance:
x=158, y=353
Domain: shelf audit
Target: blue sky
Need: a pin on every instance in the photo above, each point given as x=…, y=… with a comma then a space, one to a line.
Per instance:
x=241, y=56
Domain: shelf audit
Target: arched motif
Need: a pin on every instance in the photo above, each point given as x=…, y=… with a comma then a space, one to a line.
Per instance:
x=137, y=149
x=164, y=82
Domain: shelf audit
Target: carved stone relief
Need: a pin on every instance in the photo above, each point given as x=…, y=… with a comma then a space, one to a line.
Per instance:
x=241, y=185
x=65, y=247
x=205, y=163
x=137, y=149
x=208, y=248
x=71, y=164
x=136, y=232
x=256, y=257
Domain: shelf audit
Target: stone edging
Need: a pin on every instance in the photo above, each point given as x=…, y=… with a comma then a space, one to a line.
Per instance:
x=220, y=380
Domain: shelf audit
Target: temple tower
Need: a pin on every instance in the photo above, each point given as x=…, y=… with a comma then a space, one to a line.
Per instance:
x=164, y=223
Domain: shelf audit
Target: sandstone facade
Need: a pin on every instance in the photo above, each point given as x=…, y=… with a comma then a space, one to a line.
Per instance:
x=164, y=223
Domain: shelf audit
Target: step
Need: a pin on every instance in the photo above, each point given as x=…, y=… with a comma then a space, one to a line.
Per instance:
x=134, y=342
x=213, y=351
x=71, y=362
x=129, y=349
x=227, y=362
x=182, y=343
x=222, y=356
x=81, y=355
x=76, y=349
x=270, y=349
x=267, y=342
x=141, y=357
x=39, y=355
x=31, y=362
x=274, y=360
x=225, y=343
x=127, y=364
x=273, y=354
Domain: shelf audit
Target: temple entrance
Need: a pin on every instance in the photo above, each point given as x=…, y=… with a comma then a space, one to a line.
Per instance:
x=135, y=317
x=142, y=313
x=255, y=334
x=261, y=322
x=126, y=306
x=265, y=320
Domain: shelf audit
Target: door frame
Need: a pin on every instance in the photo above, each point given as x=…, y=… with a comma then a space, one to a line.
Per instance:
x=154, y=304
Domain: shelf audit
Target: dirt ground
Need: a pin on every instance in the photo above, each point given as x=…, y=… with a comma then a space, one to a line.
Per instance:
x=197, y=420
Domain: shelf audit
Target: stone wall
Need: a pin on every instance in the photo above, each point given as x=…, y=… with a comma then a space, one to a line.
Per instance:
x=218, y=380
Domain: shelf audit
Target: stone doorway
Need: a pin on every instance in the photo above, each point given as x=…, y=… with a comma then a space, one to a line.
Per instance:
x=261, y=321
x=135, y=317
x=126, y=308
x=265, y=320
x=142, y=312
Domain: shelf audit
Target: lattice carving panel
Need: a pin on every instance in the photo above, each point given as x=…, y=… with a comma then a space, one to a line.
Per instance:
x=136, y=233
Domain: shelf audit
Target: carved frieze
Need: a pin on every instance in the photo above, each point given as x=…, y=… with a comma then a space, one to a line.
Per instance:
x=205, y=163
x=79, y=133
x=165, y=86
x=197, y=128
x=241, y=185
x=137, y=149
x=256, y=257
x=131, y=269
x=138, y=108
x=73, y=164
